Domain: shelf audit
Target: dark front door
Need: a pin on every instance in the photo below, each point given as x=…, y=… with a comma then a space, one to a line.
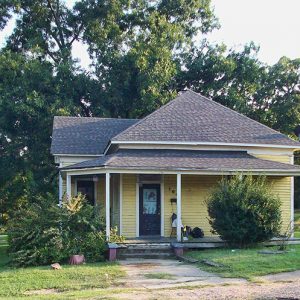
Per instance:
x=86, y=188
x=150, y=209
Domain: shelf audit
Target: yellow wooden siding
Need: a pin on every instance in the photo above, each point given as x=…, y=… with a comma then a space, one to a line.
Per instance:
x=101, y=191
x=282, y=187
x=279, y=158
x=195, y=190
x=129, y=205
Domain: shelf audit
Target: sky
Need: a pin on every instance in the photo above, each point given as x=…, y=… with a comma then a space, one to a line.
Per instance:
x=274, y=25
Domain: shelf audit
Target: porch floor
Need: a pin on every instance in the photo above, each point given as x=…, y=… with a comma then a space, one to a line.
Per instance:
x=206, y=242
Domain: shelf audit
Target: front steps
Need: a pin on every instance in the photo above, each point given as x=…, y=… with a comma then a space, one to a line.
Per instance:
x=145, y=251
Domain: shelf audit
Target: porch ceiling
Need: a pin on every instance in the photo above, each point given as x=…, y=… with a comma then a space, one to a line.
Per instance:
x=180, y=160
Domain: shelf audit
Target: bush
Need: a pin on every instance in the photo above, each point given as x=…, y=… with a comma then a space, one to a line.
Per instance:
x=42, y=233
x=244, y=211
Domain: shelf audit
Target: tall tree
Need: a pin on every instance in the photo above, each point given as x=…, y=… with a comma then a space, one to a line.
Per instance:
x=135, y=46
x=240, y=81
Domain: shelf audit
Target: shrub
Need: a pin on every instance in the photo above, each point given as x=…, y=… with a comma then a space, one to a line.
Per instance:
x=34, y=233
x=244, y=211
x=41, y=232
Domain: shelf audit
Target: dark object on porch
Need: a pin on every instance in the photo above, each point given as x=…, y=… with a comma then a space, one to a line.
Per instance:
x=197, y=233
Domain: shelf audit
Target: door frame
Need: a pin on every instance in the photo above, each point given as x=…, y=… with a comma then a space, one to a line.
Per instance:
x=162, y=205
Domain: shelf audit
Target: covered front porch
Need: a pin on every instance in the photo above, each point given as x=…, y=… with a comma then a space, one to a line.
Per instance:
x=141, y=205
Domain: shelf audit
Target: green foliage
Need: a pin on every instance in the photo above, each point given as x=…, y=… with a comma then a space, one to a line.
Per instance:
x=42, y=233
x=268, y=94
x=142, y=53
x=244, y=211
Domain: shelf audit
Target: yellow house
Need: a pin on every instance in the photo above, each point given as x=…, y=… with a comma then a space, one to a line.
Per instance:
x=143, y=171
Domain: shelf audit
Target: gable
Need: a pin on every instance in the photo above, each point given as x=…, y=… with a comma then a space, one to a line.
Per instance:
x=193, y=118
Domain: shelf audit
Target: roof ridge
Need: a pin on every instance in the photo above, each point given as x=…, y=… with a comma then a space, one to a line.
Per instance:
x=238, y=113
x=100, y=118
x=145, y=118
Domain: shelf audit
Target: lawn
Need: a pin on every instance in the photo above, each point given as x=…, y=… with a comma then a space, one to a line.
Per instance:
x=248, y=263
x=71, y=281
x=297, y=223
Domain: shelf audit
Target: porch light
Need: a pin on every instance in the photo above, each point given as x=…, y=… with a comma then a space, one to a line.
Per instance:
x=173, y=200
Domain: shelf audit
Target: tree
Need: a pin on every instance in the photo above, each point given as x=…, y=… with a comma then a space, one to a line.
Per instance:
x=240, y=81
x=31, y=94
x=136, y=47
x=244, y=211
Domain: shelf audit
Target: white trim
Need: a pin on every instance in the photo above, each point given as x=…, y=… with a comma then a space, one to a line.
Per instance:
x=107, y=205
x=75, y=155
x=69, y=186
x=178, y=207
x=250, y=150
x=95, y=192
x=137, y=209
x=162, y=206
x=292, y=200
x=161, y=143
x=60, y=189
x=98, y=170
x=121, y=204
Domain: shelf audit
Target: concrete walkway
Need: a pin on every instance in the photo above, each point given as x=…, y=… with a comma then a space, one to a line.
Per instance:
x=181, y=281
x=173, y=273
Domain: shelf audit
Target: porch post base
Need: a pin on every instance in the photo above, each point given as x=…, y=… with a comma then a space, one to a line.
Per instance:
x=112, y=251
x=178, y=249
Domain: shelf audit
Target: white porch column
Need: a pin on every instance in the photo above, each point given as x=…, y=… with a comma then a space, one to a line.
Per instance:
x=68, y=186
x=107, y=206
x=178, y=229
x=60, y=191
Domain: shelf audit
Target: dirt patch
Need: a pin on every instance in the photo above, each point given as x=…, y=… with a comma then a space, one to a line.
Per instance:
x=43, y=292
x=189, y=282
x=248, y=291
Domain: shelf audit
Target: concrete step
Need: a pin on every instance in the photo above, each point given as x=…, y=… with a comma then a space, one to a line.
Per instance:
x=148, y=245
x=144, y=250
x=154, y=255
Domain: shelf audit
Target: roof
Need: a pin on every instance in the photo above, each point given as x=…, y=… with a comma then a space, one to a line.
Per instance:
x=194, y=118
x=157, y=159
x=85, y=135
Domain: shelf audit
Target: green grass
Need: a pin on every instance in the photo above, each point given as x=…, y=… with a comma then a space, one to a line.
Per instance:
x=159, y=276
x=70, y=280
x=248, y=263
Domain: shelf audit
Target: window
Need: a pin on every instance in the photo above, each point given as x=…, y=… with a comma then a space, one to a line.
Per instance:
x=87, y=188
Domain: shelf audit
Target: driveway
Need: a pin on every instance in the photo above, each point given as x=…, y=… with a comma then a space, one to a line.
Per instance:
x=171, y=279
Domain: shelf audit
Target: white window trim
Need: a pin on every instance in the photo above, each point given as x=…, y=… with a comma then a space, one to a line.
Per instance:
x=292, y=200
x=162, y=207
x=121, y=203
x=137, y=208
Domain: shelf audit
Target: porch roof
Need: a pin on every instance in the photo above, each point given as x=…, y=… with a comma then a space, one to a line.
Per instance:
x=180, y=160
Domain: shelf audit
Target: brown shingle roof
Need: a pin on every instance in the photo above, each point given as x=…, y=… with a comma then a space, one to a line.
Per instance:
x=86, y=136
x=193, y=118
x=184, y=160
